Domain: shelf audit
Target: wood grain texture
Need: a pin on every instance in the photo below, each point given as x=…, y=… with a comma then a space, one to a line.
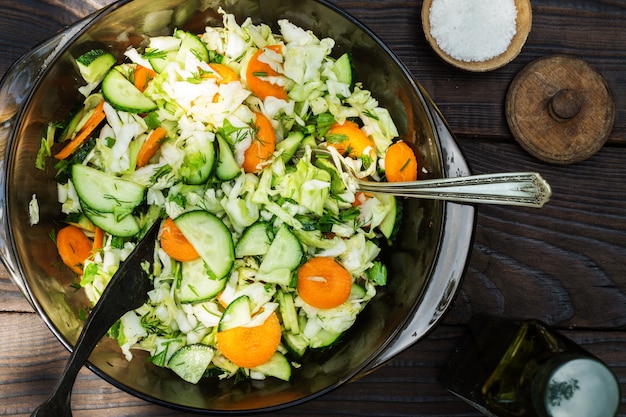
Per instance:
x=564, y=264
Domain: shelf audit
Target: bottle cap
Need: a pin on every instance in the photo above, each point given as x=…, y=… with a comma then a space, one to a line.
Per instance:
x=575, y=386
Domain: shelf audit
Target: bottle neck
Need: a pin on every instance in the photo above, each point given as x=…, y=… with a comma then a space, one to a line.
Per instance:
x=575, y=386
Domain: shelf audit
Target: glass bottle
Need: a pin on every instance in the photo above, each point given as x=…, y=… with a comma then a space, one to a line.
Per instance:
x=519, y=368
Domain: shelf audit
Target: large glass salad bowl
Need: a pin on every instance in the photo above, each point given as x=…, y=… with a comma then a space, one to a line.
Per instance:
x=425, y=265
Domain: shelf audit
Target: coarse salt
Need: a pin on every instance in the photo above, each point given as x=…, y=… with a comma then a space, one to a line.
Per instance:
x=473, y=30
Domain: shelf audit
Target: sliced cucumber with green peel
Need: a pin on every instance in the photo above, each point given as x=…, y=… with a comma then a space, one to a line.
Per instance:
x=211, y=239
x=277, y=366
x=343, y=69
x=191, y=361
x=191, y=44
x=198, y=162
x=323, y=338
x=290, y=145
x=285, y=252
x=391, y=222
x=236, y=314
x=255, y=240
x=104, y=192
x=227, y=166
x=125, y=226
x=196, y=284
x=288, y=312
x=160, y=62
x=93, y=65
x=123, y=95
x=296, y=344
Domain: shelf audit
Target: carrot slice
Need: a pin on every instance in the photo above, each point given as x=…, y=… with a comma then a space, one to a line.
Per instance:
x=349, y=139
x=262, y=147
x=96, y=118
x=175, y=244
x=226, y=74
x=248, y=347
x=360, y=197
x=98, y=240
x=74, y=247
x=142, y=77
x=150, y=146
x=257, y=70
x=323, y=283
x=400, y=163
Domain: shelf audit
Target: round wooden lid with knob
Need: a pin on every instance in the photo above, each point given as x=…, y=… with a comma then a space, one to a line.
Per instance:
x=560, y=109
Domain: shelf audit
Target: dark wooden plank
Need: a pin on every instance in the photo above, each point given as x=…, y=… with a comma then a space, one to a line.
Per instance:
x=564, y=263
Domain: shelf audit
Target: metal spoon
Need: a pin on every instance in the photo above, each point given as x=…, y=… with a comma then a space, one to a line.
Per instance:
x=514, y=188
x=127, y=291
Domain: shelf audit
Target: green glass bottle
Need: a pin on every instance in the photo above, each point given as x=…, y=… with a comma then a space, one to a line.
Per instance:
x=519, y=368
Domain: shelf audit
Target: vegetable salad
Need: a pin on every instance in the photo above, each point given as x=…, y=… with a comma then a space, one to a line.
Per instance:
x=265, y=250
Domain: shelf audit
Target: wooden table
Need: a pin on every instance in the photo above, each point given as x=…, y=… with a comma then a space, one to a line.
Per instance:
x=564, y=264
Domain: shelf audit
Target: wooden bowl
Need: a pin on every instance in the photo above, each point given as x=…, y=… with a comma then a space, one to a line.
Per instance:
x=523, y=25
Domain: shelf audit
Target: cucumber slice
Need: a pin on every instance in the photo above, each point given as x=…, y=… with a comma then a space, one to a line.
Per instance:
x=160, y=62
x=343, y=69
x=236, y=314
x=126, y=226
x=198, y=162
x=278, y=367
x=191, y=361
x=255, y=240
x=296, y=344
x=285, y=252
x=104, y=192
x=123, y=95
x=211, y=239
x=93, y=65
x=227, y=166
x=323, y=338
x=196, y=284
x=191, y=44
x=357, y=292
x=336, y=183
x=290, y=145
x=288, y=312
x=391, y=222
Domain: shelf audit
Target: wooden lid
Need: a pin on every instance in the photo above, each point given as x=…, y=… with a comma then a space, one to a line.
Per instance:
x=560, y=109
x=523, y=23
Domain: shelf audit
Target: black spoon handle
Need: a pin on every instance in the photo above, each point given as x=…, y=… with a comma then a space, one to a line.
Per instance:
x=127, y=290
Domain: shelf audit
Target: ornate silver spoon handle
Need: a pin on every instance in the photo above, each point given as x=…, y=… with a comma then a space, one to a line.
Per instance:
x=515, y=188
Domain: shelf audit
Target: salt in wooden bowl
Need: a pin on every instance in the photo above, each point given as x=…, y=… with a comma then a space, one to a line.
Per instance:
x=523, y=22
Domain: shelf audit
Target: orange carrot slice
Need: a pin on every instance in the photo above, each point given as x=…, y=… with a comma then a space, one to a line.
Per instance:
x=349, y=139
x=262, y=147
x=257, y=70
x=225, y=73
x=150, y=147
x=175, y=244
x=92, y=123
x=360, y=197
x=98, y=240
x=142, y=77
x=248, y=347
x=400, y=163
x=74, y=247
x=323, y=283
